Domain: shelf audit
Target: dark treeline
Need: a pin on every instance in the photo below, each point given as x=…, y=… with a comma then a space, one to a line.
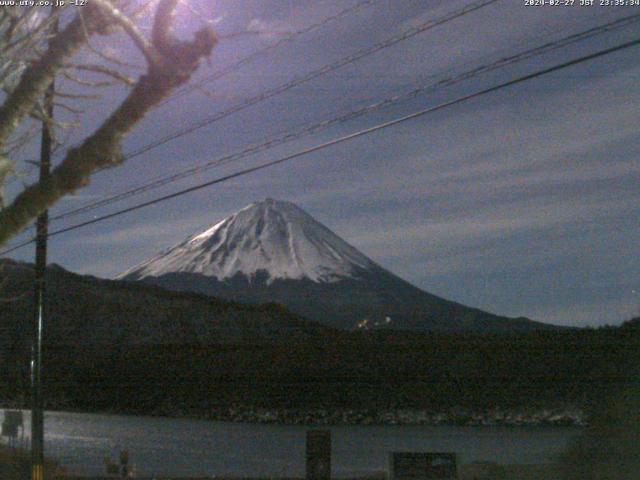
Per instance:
x=370, y=370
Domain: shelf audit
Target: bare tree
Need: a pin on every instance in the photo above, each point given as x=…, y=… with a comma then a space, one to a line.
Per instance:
x=26, y=76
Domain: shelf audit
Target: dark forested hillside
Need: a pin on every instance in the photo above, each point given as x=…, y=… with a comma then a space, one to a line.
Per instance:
x=91, y=312
x=88, y=317
x=372, y=370
x=202, y=354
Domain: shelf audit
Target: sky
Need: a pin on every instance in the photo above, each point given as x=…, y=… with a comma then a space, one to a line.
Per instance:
x=521, y=202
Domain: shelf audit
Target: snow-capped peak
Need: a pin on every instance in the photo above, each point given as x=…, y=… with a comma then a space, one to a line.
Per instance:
x=273, y=236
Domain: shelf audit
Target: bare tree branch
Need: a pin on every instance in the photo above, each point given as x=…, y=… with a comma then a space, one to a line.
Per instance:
x=78, y=96
x=87, y=83
x=6, y=167
x=178, y=61
x=40, y=74
x=13, y=42
x=111, y=58
x=143, y=45
x=101, y=69
x=68, y=108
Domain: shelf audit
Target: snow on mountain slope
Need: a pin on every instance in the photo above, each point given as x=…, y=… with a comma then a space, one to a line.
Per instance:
x=273, y=236
x=272, y=251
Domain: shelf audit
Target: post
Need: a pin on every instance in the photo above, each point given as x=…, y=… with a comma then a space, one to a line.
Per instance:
x=318, y=455
x=42, y=226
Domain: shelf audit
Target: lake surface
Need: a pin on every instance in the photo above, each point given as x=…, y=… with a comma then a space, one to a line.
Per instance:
x=167, y=446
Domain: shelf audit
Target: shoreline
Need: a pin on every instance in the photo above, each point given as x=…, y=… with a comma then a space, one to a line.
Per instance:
x=455, y=417
x=395, y=417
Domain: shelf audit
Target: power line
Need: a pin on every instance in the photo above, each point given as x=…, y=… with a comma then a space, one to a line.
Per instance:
x=405, y=35
x=274, y=141
x=262, y=51
x=409, y=33
x=342, y=139
x=238, y=64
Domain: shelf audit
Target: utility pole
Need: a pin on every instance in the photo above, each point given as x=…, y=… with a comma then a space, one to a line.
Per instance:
x=42, y=227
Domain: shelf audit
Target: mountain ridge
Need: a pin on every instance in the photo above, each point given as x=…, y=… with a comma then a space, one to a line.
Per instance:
x=90, y=311
x=273, y=251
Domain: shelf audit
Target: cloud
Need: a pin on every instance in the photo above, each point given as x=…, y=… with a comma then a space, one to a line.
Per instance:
x=125, y=245
x=268, y=29
x=581, y=312
x=517, y=201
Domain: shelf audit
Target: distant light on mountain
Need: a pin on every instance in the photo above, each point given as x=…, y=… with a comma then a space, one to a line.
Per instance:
x=273, y=251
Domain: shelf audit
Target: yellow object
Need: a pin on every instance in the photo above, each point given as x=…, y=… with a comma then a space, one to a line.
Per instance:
x=37, y=473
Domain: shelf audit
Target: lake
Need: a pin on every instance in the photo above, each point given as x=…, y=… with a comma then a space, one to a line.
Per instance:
x=167, y=446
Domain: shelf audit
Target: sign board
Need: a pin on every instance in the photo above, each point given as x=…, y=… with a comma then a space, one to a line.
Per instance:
x=318, y=455
x=12, y=422
x=422, y=466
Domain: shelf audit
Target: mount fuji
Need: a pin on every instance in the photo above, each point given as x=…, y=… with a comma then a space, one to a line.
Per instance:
x=273, y=251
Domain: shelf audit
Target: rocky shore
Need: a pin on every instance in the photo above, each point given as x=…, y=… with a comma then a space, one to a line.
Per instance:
x=454, y=417
x=569, y=416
